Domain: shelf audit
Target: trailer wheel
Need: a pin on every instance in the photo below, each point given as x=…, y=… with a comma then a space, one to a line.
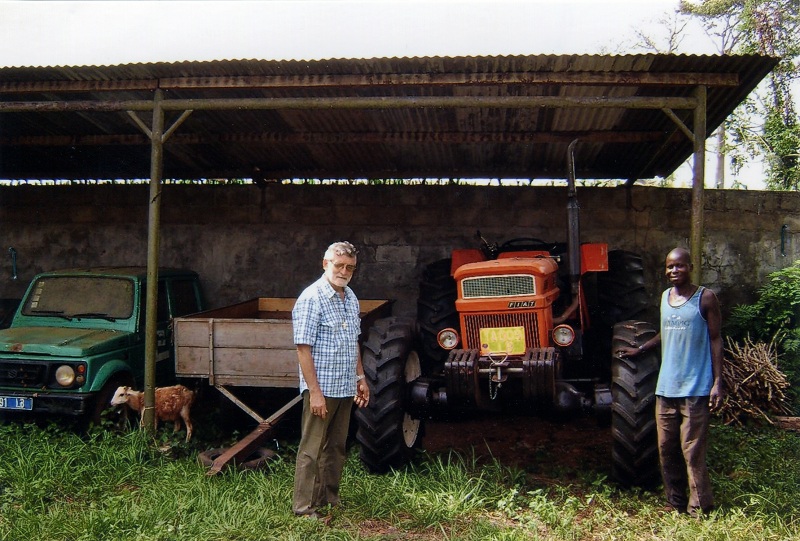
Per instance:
x=436, y=309
x=633, y=424
x=386, y=432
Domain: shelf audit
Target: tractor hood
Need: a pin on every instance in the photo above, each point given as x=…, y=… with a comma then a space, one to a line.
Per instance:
x=60, y=342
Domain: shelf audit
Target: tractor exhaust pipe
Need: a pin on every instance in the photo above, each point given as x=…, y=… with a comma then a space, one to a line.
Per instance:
x=573, y=222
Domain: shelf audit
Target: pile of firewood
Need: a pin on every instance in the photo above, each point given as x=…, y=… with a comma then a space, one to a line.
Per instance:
x=754, y=387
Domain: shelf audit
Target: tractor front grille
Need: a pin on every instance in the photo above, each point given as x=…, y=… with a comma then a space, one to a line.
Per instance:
x=472, y=325
x=511, y=285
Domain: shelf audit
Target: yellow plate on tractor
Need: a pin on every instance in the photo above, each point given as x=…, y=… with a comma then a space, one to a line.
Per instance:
x=503, y=340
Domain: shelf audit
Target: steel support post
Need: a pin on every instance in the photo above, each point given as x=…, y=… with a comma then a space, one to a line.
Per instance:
x=153, y=241
x=698, y=183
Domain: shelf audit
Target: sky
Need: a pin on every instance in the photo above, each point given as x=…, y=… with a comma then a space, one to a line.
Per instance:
x=53, y=33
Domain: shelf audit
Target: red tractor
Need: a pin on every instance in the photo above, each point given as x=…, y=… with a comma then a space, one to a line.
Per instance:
x=524, y=325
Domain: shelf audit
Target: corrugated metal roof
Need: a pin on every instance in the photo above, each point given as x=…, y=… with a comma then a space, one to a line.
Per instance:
x=433, y=117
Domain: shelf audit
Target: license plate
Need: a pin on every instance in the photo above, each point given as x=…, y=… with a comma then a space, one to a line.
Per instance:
x=508, y=340
x=16, y=403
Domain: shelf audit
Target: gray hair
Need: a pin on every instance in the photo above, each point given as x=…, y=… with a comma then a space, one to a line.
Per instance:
x=340, y=248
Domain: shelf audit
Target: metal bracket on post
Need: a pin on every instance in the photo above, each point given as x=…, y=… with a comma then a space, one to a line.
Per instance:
x=13, y=253
x=211, y=375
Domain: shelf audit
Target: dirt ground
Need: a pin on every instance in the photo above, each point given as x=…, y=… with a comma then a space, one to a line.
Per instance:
x=541, y=447
x=545, y=449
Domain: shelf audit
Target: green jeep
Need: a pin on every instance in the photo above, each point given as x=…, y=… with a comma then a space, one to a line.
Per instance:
x=79, y=334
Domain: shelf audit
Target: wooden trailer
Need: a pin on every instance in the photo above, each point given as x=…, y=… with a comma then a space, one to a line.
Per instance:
x=248, y=344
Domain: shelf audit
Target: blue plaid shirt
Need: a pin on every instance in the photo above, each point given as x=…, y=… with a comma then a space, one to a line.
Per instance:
x=331, y=326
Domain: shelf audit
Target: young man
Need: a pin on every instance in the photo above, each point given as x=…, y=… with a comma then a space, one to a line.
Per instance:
x=689, y=384
x=326, y=327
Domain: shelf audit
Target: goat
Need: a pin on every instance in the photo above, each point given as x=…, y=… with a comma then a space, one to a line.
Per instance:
x=172, y=404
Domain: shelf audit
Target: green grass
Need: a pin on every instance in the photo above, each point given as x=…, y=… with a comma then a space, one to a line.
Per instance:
x=57, y=485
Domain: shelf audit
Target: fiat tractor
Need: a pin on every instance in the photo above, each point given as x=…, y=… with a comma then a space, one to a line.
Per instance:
x=526, y=325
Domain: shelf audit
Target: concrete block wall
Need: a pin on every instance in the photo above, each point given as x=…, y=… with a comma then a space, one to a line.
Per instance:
x=248, y=241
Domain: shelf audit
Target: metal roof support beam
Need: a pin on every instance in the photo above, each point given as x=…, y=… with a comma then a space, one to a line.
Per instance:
x=404, y=102
x=698, y=182
x=681, y=126
x=334, y=138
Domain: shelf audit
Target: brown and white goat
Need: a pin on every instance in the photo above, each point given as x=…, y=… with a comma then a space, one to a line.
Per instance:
x=172, y=404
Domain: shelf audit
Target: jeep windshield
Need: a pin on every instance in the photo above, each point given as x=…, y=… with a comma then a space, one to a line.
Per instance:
x=80, y=297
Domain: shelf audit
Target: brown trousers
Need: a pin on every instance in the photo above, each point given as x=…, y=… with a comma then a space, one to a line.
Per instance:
x=321, y=455
x=682, y=425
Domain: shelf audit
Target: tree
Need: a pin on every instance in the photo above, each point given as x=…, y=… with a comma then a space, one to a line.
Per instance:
x=767, y=27
x=671, y=30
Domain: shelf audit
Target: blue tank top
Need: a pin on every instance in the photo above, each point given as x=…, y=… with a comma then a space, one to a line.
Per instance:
x=685, y=349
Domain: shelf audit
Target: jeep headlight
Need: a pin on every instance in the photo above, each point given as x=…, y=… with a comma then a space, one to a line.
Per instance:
x=447, y=338
x=563, y=335
x=65, y=375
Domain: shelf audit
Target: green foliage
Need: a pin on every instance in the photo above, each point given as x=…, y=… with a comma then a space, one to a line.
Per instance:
x=57, y=485
x=782, y=137
x=775, y=316
x=767, y=27
x=775, y=313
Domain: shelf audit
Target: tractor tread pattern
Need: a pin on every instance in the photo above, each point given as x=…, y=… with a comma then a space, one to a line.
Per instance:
x=380, y=423
x=633, y=426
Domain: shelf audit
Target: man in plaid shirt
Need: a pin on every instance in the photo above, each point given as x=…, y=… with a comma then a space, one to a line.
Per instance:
x=326, y=328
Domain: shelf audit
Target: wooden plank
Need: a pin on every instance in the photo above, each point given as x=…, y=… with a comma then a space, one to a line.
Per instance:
x=247, y=308
x=788, y=423
x=274, y=363
x=276, y=304
x=289, y=382
x=253, y=333
x=191, y=361
x=190, y=332
x=235, y=332
x=369, y=305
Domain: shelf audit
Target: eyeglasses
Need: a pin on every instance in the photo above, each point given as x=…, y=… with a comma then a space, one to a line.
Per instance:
x=340, y=266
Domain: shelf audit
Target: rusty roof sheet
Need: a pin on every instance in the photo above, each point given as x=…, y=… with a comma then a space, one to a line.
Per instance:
x=432, y=117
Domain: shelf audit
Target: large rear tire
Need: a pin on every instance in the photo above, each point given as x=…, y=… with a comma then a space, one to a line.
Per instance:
x=616, y=295
x=386, y=432
x=633, y=424
x=436, y=309
x=621, y=290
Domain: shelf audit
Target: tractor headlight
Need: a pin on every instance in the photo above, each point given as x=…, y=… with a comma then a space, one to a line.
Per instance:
x=563, y=335
x=65, y=375
x=447, y=338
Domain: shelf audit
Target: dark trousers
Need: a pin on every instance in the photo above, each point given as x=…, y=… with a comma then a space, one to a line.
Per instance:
x=682, y=425
x=321, y=455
